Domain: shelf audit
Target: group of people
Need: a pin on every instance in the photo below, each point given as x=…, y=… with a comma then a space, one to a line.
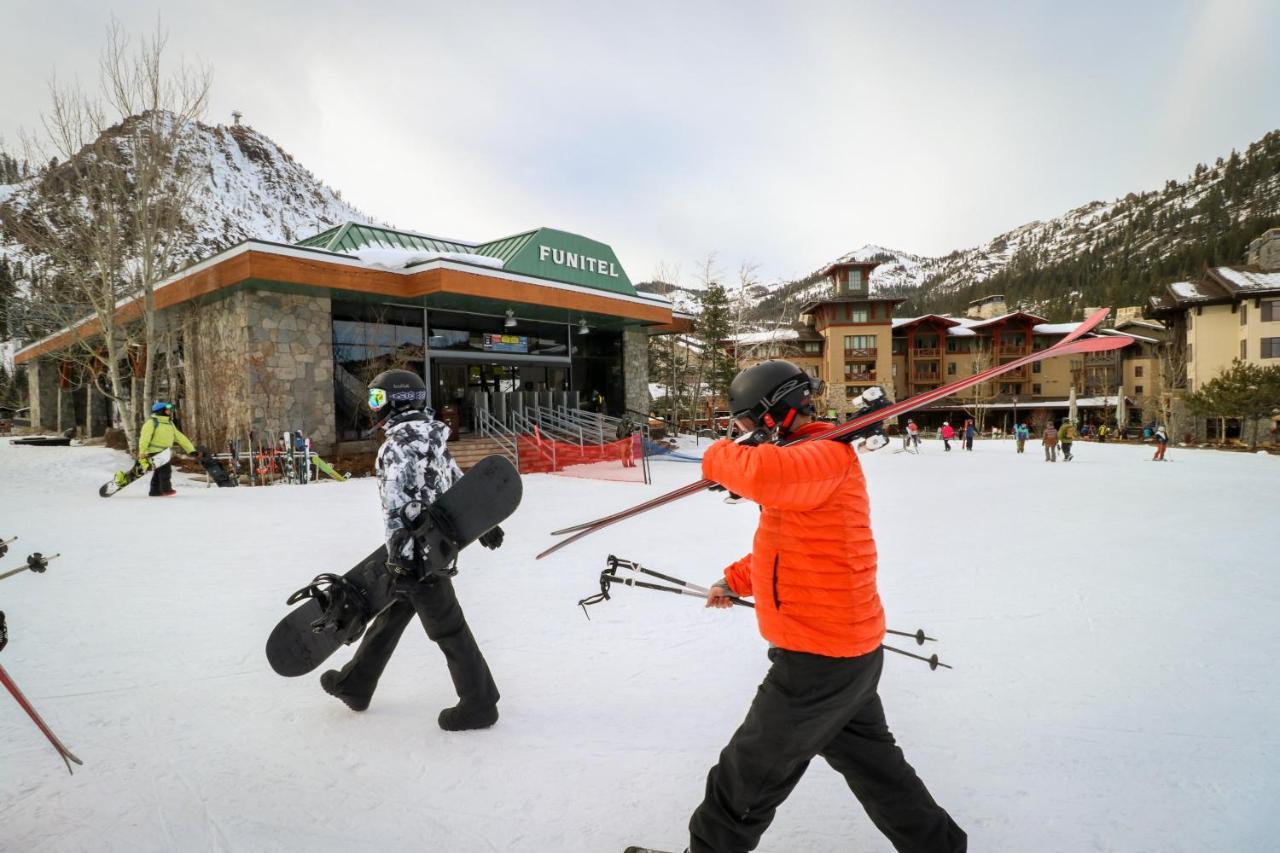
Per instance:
x=818, y=608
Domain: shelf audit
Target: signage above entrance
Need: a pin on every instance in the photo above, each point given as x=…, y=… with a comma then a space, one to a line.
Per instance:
x=506, y=343
x=571, y=258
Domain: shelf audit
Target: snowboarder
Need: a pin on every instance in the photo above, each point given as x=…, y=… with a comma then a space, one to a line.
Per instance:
x=969, y=432
x=1162, y=444
x=819, y=609
x=1020, y=435
x=1050, y=442
x=947, y=434
x=158, y=435
x=1066, y=437
x=414, y=468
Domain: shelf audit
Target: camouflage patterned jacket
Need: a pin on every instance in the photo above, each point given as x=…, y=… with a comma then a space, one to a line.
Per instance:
x=414, y=464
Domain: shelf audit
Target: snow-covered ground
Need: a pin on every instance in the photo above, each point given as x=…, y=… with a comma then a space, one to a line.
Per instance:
x=1112, y=623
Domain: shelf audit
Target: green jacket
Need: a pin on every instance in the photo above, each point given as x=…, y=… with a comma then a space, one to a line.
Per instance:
x=159, y=433
x=1068, y=433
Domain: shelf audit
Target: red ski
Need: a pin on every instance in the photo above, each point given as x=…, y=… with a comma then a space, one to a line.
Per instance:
x=1069, y=345
x=68, y=757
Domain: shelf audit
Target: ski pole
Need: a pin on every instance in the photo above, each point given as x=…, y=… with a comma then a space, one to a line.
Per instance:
x=919, y=635
x=68, y=757
x=932, y=660
x=36, y=562
x=4, y=545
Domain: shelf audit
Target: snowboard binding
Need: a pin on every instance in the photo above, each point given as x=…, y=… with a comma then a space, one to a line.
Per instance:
x=431, y=530
x=345, y=608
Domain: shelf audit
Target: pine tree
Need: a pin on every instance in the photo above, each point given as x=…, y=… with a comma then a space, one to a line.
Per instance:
x=714, y=327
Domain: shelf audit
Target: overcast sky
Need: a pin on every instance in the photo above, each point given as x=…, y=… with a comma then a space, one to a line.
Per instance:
x=784, y=134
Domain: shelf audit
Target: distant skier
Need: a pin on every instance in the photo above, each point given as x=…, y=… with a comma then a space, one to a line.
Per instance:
x=1162, y=443
x=1050, y=442
x=913, y=435
x=813, y=575
x=159, y=435
x=947, y=435
x=1066, y=437
x=414, y=465
x=1020, y=435
x=969, y=433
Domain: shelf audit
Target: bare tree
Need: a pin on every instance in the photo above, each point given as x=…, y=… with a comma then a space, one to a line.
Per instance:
x=115, y=197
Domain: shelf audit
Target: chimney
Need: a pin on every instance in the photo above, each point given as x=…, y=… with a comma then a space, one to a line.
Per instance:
x=236, y=115
x=1264, y=251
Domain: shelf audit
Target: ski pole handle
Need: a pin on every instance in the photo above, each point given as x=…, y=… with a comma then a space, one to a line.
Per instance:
x=4, y=545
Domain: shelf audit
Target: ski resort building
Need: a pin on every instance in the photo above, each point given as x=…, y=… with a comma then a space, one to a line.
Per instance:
x=852, y=341
x=275, y=337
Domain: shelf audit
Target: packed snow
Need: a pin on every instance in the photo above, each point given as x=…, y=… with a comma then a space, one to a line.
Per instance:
x=1111, y=625
x=399, y=259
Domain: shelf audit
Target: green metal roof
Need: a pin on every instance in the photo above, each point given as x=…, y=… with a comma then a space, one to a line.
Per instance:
x=506, y=248
x=542, y=252
x=354, y=236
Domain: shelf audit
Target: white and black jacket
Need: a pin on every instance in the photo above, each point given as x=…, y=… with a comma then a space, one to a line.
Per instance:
x=414, y=464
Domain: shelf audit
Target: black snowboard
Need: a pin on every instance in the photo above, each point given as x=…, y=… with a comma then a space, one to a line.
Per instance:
x=113, y=485
x=336, y=609
x=214, y=469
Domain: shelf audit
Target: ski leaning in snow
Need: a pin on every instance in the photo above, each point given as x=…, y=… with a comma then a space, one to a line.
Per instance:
x=1069, y=345
x=336, y=608
x=67, y=756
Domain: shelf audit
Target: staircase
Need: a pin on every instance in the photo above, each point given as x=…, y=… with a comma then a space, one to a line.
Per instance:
x=470, y=450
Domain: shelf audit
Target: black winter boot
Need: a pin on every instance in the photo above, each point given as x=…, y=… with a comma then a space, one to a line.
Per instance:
x=329, y=681
x=462, y=717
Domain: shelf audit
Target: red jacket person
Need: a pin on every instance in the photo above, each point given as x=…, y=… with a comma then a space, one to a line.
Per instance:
x=812, y=572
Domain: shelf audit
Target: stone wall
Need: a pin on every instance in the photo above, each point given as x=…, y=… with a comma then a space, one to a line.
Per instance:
x=262, y=361
x=635, y=368
x=42, y=390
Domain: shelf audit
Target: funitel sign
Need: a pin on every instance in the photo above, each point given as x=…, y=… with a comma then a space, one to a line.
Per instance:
x=576, y=261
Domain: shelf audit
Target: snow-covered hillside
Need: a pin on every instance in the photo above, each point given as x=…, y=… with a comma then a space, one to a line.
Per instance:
x=249, y=187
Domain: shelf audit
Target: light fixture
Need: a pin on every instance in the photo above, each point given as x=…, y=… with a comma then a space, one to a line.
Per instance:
x=583, y=328
x=510, y=322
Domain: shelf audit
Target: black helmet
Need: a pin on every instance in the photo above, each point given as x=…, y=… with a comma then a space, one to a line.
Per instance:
x=772, y=393
x=395, y=391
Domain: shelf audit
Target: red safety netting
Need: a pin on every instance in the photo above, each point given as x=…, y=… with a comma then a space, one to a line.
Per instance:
x=617, y=460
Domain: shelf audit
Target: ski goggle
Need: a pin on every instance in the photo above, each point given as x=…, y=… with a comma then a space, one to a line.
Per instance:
x=377, y=398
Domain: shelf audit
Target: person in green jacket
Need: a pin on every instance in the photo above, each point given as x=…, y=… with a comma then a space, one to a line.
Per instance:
x=1066, y=437
x=158, y=435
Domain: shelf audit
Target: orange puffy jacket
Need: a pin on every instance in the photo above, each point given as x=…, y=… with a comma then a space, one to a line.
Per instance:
x=812, y=568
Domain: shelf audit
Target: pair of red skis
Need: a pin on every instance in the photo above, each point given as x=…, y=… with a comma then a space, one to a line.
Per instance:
x=68, y=757
x=1073, y=344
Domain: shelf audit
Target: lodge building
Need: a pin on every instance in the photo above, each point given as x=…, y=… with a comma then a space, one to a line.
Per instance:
x=276, y=337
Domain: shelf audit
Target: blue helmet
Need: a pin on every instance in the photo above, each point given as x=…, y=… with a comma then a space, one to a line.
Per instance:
x=160, y=406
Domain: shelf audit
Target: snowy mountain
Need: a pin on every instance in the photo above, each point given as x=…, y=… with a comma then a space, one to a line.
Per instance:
x=249, y=187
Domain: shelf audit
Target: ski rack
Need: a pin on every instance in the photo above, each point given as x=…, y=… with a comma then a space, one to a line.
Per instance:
x=609, y=576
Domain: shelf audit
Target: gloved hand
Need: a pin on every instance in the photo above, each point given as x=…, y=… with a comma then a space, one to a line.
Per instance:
x=4, y=632
x=397, y=562
x=875, y=442
x=492, y=539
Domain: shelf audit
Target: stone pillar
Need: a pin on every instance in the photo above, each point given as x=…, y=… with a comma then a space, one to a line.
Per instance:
x=635, y=368
x=291, y=374
x=42, y=391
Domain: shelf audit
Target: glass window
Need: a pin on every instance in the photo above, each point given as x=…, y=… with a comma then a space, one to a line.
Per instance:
x=1271, y=310
x=1244, y=313
x=1244, y=350
x=1035, y=368
x=1270, y=347
x=1137, y=389
x=1035, y=388
x=855, y=281
x=857, y=315
x=1137, y=371
x=951, y=368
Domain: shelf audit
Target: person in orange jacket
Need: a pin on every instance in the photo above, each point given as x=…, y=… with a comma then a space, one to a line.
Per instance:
x=812, y=572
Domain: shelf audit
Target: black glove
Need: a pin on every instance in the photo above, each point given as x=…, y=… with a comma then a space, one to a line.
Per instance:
x=4, y=632
x=493, y=539
x=397, y=563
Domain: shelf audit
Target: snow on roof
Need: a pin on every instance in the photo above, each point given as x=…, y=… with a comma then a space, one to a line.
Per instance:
x=1186, y=290
x=1116, y=333
x=398, y=259
x=1253, y=280
x=1054, y=328
x=765, y=337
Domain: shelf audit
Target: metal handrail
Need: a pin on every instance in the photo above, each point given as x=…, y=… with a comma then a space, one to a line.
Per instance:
x=492, y=428
x=549, y=424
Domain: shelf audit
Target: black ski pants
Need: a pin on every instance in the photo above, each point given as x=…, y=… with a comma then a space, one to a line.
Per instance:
x=814, y=705
x=162, y=480
x=437, y=607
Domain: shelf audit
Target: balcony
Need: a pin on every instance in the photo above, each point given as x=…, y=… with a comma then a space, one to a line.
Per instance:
x=926, y=352
x=856, y=378
x=926, y=377
x=860, y=353
x=1016, y=373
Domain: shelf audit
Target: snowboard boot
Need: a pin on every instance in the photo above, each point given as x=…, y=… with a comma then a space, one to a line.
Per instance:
x=329, y=681
x=462, y=717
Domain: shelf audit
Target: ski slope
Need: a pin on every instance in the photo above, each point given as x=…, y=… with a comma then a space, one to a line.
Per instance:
x=1112, y=623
